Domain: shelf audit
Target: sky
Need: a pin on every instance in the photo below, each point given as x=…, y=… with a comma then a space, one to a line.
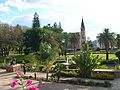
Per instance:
x=97, y=14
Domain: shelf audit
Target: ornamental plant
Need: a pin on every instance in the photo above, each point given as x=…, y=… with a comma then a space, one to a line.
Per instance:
x=27, y=84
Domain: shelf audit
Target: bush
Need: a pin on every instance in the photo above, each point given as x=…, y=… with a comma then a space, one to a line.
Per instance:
x=103, y=76
x=113, y=62
x=68, y=73
x=117, y=53
x=88, y=82
x=102, y=67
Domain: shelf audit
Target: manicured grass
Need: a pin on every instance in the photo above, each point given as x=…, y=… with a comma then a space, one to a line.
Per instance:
x=103, y=56
x=111, y=56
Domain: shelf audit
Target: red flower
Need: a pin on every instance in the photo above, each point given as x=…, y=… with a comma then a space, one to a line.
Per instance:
x=29, y=82
x=33, y=88
x=14, y=83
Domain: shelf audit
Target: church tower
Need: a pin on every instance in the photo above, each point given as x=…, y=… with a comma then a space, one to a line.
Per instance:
x=82, y=33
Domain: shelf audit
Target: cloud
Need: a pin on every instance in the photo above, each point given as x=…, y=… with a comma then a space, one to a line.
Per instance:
x=4, y=8
x=22, y=20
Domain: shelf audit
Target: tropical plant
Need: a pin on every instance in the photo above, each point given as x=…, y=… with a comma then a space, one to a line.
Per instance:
x=46, y=55
x=86, y=61
x=106, y=40
x=74, y=40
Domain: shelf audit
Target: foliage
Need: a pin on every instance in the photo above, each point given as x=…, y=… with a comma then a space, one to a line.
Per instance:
x=18, y=38
x=106, y=40
x=86, y=61
x=7, y=39
x=88, y=82
x=118, y=41
x=32, y=39
x=36, y=22
x=74, y=39
x=102, y=67
x=68, y=73
x=117, y=53
x=102, y=75
x=32, y=62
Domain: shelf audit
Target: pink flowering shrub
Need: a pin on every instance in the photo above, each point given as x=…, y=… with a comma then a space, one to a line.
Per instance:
x=29, y=82
x=20, y=82
x=14, y=83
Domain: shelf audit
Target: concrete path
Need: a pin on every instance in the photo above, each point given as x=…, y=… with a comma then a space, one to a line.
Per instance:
x=7, y=78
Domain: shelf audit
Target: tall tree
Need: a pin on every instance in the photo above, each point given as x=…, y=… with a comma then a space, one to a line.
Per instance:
x=32, y=39
x=65, y=38
x=55, y=25
x=36, y=22
x=75, y=40
x=118, y=41
x=19, y=38
x=105, y=40
x=6, y=39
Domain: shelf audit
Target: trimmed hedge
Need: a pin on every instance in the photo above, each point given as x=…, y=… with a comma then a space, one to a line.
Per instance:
x=87, y=82
x=102, y=76
x=68, y=73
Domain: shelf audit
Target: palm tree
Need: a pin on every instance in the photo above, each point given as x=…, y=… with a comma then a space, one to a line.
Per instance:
x=74, y=39
x=106, y=40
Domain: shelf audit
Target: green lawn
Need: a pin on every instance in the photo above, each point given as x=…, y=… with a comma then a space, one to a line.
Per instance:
x=111, y=56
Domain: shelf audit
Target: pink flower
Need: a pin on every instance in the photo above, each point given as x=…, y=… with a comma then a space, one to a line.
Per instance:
x=14, y=83
x=18, y=74
x=29, y=82
x=33, y=88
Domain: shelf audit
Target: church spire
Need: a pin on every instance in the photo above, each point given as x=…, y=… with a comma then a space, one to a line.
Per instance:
x=82, y=25
x=82, y=33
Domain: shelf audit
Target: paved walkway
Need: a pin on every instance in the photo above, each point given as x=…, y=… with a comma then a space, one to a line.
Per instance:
x=6, y=79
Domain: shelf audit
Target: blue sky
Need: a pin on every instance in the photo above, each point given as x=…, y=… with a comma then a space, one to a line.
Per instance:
x=97, y=14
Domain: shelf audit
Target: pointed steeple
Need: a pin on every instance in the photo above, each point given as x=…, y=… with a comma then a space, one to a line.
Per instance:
x=82, y=25
x=82, y=33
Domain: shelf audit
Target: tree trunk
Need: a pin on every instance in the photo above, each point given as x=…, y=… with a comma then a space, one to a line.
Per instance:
x=35, y=75
x=58, y=76
x=107, y=55
x=74, y=50
x=47, y=75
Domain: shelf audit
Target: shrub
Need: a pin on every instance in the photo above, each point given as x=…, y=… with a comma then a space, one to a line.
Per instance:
x=102, y=75
x=68, y=73
x=113, y=62
x=117, y=53
x=88, y=82
x=102, y=67
x=86, y=61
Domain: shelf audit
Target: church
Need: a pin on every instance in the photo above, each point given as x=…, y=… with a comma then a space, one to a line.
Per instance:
x=77, y=39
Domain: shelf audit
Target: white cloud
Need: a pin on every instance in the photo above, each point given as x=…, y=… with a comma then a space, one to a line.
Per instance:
x=4, y=8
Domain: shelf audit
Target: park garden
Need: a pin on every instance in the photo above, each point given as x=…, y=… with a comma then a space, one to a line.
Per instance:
x=44, y=49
